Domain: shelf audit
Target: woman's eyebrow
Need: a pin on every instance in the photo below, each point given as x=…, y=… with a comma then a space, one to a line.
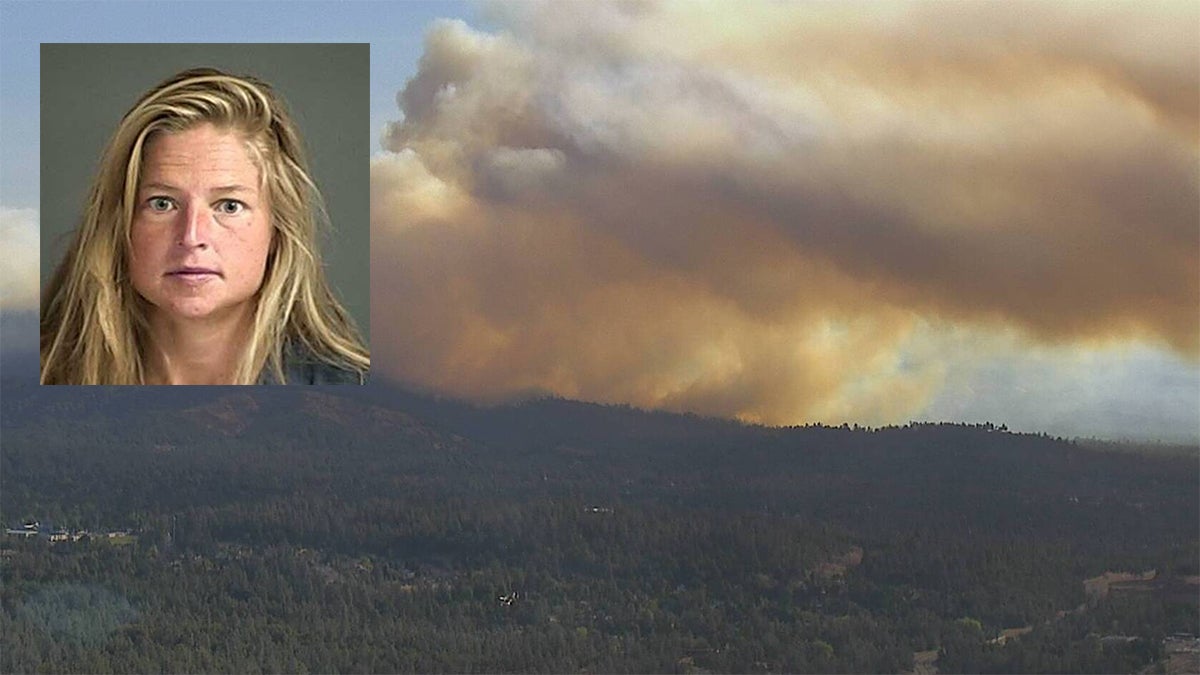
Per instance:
x=234, y=188
x=221, y=189
x=158, y=186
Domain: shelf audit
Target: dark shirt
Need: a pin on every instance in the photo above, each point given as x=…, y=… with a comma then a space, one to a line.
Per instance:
x=307, y=369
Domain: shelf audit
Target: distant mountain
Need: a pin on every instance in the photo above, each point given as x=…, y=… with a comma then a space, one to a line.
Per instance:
x=911, y=464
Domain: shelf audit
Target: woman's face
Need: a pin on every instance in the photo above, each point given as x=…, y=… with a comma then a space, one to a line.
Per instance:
x=201, y=228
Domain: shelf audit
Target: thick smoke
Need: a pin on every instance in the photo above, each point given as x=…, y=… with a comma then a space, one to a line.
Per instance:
x=19, y=271
x=770, y=210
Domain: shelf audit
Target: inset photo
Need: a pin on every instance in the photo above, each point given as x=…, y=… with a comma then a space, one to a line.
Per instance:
x=205, y=214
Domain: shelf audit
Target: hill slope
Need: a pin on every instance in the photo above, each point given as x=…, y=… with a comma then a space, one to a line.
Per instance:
x=374, y=529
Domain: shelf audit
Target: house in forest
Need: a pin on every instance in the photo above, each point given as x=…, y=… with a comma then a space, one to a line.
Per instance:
x=1099, y=587
x=30, y=529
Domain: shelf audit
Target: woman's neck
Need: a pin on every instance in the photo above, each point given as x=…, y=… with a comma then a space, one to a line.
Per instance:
x=197, y=351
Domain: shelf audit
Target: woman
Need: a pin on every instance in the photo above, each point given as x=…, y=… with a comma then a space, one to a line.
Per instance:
x=196, y=259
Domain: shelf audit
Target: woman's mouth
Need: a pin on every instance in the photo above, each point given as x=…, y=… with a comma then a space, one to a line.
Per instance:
x=193, y=274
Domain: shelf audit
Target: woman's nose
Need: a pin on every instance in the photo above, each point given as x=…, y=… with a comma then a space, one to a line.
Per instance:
x=197, y=226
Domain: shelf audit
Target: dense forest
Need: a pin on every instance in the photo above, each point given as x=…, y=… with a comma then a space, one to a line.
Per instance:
x=374, y=530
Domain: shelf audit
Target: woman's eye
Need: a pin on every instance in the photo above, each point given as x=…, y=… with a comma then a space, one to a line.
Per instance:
x=230, y=207
x=160, y=204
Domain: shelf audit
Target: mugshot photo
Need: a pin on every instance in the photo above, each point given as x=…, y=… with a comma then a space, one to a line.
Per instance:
x=205, y=214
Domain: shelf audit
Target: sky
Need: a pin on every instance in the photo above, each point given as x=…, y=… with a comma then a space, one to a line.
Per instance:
x=780, y=212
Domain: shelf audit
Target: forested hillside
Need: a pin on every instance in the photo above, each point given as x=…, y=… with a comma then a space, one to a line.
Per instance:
x=369, y=529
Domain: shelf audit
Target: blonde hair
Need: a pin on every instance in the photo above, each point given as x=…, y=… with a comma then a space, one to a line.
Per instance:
x=94, y=324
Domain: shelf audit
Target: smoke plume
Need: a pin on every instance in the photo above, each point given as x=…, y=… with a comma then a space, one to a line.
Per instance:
x=19, y=273
x=771, y=211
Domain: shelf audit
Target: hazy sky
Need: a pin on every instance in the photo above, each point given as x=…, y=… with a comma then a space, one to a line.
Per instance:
x=782, y=212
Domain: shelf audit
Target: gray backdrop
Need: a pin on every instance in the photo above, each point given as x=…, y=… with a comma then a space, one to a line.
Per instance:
x=87, y=88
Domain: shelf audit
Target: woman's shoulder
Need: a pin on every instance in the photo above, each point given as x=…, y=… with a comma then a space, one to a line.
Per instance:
x=316, y=372
x=303, y=367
